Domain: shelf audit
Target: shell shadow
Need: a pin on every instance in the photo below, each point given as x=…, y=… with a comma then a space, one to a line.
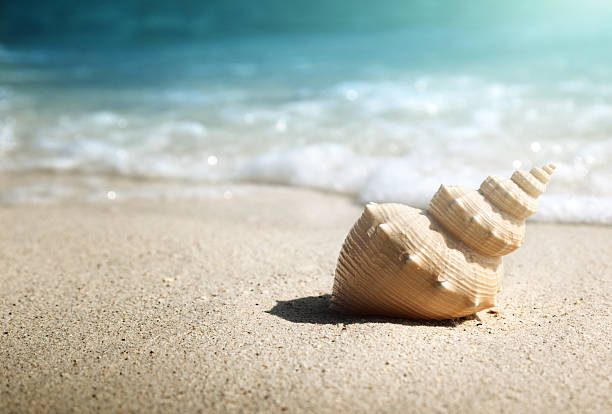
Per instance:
x=315, y=310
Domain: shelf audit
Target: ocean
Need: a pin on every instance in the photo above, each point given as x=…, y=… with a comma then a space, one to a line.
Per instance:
x=383, y=102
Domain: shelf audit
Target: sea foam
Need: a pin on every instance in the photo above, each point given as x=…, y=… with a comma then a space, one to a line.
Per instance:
x=260, y=110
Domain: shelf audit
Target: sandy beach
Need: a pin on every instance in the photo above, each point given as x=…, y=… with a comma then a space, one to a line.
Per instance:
x=220, y=305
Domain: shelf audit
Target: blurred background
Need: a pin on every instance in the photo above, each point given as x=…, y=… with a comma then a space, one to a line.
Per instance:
x=381, y=100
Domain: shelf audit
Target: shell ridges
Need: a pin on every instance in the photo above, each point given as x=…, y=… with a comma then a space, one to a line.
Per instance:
x=440, y=263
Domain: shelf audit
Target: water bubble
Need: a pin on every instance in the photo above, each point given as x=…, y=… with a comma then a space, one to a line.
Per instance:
x=431, y=108
x=351, y=95
x=111, y=195
x=536, y=146
x=516, y=164
x=249, y=118
x=281, y=125
x=212, y=160
x=421, y=84
x=496, y=91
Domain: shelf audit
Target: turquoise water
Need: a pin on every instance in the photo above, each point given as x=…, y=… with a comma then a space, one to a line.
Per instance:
x=384, y=102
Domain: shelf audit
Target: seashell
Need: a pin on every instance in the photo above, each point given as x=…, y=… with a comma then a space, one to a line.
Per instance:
x=440, y=263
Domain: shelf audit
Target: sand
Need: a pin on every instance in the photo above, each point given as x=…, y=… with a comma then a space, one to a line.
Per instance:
x=217, y=304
